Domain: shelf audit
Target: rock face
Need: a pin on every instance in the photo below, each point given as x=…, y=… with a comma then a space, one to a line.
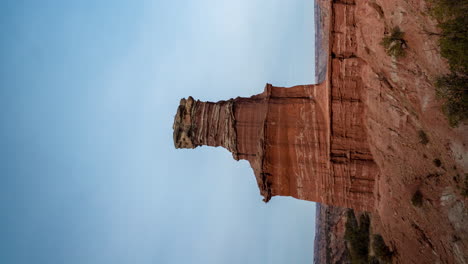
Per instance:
x=301, y=141
x=399, y=106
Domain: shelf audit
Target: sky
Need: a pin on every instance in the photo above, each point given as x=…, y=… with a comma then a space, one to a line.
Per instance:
x=88, y=93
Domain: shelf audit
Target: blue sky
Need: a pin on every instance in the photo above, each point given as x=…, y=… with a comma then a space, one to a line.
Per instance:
x=88, y=94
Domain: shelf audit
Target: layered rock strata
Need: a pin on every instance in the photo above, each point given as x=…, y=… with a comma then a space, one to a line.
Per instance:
x=305, y=141
x=400, y=106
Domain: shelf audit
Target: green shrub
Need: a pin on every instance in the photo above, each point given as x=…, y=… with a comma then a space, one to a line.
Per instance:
x=394, y=43
x=381, y=250
x=357, y=235
x=454, y=42
x=453, y=89
x=453, y=22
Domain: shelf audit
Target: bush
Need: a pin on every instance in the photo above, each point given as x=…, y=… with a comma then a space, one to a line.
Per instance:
x=454, y=43
x=453, y=23
x=381, y=250
x=446, y=9
x=423, y=139
x=357, y=235
x=417, y=199
x=394, y=43
x=453, y=89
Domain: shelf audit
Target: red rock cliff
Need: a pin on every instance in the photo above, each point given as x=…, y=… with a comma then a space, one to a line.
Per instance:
x=399, y=104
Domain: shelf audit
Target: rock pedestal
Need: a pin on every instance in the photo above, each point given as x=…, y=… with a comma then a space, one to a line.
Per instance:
x=306, y=141
x=299, y=141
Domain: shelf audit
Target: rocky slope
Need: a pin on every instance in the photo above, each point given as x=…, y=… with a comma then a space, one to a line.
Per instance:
x=410, y=139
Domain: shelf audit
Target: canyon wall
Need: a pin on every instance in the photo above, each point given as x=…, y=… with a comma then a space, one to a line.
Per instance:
x=400, y=106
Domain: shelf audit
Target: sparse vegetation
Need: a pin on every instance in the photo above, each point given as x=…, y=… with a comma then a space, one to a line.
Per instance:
x=381, y=250
x=453, y=20
x=453, y=88
x=394, y=43
x=437, y=162
x=357, y=236
x=423, y=139
x=417, y=199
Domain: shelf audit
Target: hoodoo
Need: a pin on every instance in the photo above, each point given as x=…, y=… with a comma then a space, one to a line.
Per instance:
x=297, y=143
x=307, y=141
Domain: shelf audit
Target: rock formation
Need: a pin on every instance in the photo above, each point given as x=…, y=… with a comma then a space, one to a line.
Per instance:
x=306, y=141
x=399, y=104
x=354, y=139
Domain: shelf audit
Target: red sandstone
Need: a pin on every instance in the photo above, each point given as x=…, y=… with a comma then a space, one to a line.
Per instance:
x=294, y=143
x=353, y=139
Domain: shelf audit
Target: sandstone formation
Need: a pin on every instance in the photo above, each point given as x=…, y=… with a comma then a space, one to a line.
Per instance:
x=300, y=141
x=354, y=139
x=307, y=141
x=400, y=105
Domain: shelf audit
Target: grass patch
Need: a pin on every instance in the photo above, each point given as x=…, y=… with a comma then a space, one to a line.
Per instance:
x=394, y=43
x=417, y=199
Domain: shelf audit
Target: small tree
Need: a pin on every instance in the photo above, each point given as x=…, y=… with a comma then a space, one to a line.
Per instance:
x=394, y=43
x=357, y=235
